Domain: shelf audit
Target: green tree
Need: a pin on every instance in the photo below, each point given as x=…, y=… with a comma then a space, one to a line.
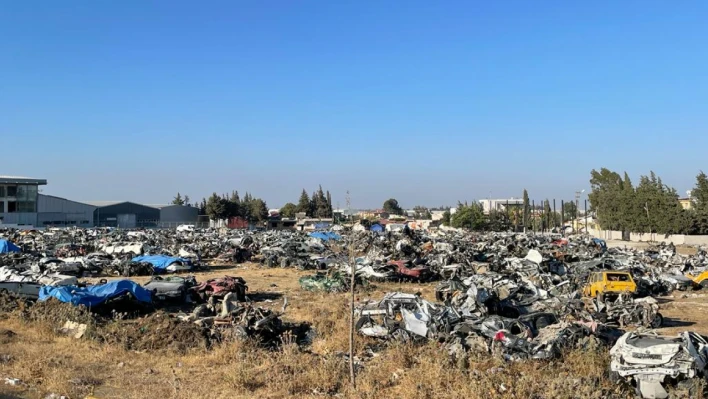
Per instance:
x=178, y=200
x=628, y=209
x=569, y=210
x=288, y=210
x=470, y=216
x=322, y=209
x=304, y=204
x=234, y=205
x=446, y=218
x=202, y=207
x=422, y=212
x=246, y=210
x=216, y=207
x=498, y=221
x=391, y=206
x=330, y=208
x=657, y=209
x=697, y=218
x=699, y=194
x=605, y=198
x=259, y=210
x=548, y=218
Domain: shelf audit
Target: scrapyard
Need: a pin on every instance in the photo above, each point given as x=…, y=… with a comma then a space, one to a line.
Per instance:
x=505, y=302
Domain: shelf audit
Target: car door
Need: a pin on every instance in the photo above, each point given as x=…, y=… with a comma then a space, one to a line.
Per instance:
x=697, y=347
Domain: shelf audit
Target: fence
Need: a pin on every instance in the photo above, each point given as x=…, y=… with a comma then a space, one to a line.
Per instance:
x=676, y=239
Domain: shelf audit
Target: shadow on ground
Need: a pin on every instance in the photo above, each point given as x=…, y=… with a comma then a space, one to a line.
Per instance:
x=671, y=322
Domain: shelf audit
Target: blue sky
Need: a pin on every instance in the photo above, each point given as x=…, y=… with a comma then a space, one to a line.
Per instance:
x=426, y=102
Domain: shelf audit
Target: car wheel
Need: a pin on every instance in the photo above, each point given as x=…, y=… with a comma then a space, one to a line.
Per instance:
x=704, y=284
x=658, y=321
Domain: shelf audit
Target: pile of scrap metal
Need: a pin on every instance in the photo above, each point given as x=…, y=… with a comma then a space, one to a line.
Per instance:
x=27, y=283
x=228, y=314
x=294, y=250
x=147, y=265
x=652, y=362
x=627, y=311
x=465, y=323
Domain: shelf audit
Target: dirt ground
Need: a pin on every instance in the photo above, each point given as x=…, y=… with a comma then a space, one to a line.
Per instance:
x=48, y=362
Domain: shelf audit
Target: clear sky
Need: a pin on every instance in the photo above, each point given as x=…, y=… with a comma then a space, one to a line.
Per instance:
x=427, y=102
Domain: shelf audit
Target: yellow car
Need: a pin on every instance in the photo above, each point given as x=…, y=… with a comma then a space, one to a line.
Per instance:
x=701, y=279
x=605, y=283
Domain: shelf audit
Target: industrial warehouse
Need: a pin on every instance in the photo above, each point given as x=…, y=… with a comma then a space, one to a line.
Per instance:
x=23, y=206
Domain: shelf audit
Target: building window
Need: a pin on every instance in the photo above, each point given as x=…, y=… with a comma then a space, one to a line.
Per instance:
x=2, y=191
x=2, y=207
x=26, y=206
x=12, y=191
x=11, y=206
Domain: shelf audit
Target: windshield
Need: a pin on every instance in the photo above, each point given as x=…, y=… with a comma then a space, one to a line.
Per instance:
x=618, y=277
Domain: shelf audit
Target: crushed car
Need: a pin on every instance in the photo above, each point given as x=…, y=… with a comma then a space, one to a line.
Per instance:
x=651, y=362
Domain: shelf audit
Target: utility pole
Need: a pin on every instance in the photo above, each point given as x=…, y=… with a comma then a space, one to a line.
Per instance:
x=352, y=265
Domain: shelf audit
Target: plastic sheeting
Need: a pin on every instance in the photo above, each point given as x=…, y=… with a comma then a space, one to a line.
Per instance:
x=6, y=246
x=161, y=262
x=377, y=228
x=326, y=236
x=95, y=294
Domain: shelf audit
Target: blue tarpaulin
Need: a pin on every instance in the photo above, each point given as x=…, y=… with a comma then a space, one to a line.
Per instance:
x=6, y=246
x=600, y=243
x=161, y=262
x=377, y=228
x=94, y=295
x=326, y=235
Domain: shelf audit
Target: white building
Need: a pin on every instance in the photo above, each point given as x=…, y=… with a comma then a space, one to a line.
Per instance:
x=500, y=204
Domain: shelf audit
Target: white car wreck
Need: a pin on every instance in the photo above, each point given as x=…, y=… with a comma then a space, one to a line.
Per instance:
x=651, y=361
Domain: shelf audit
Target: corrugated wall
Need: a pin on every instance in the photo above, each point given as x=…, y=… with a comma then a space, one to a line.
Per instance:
x=55, y=211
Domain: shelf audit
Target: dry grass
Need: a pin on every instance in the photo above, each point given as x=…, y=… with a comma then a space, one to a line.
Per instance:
x=50, y=363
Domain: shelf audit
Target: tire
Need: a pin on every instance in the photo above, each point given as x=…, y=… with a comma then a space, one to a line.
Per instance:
x=658, y=321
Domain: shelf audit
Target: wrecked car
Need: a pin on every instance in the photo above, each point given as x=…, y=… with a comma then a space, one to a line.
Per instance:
x=401, y=316
x=650, y=362
x=609, y=283
x=172, y=288
x=220, y=287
